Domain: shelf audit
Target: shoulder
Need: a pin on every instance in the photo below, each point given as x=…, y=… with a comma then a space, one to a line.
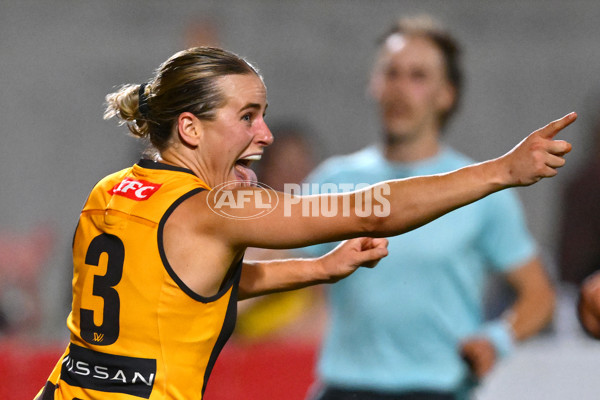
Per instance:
x=345, y=165
x=190, y=208
x=102, y=190
x=111, y=179
x=190, y=220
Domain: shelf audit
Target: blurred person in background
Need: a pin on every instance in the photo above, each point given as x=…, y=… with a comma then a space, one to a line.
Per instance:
x=414, y=327
x=202, y=31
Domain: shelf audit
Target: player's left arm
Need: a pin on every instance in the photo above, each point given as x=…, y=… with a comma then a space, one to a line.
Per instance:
x=531, y=312
x=264, y=277
x=534, y=306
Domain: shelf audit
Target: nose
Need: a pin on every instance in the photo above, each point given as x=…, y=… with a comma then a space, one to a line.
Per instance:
x=265, y=137
x=398, y=82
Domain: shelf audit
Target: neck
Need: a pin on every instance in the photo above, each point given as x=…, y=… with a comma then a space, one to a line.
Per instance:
x=410, y=149
x=171, y=157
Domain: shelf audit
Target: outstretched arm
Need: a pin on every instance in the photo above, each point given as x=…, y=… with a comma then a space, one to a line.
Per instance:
x=263, y=277
x=411, y=202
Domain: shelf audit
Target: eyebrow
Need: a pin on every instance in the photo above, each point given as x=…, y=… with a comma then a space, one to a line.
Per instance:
x=253, y=105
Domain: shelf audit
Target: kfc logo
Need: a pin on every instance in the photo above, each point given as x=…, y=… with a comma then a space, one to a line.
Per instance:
x=135, y=189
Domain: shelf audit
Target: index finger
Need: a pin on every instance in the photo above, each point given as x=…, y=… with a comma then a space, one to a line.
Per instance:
x=550, y=130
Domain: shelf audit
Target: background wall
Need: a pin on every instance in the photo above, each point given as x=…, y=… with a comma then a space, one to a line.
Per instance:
x=527, y=62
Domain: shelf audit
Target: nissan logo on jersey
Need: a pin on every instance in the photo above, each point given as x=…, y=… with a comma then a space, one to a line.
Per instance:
x=105, y=372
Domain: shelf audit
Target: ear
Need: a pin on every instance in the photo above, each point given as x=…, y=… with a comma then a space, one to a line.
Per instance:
x=447, y=97
x=189, y=128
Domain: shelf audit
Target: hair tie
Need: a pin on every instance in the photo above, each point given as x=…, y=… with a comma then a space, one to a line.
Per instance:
x=143, y=101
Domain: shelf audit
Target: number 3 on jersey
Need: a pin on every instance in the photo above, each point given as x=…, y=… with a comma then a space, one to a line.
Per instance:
x=103, y=286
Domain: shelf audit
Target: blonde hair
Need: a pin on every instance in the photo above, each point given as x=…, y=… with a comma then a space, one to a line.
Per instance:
x=186, y=82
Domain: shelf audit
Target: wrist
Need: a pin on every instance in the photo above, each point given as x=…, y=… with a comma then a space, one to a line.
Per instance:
x=320, y=270
x=499, y=332
x=497, y=173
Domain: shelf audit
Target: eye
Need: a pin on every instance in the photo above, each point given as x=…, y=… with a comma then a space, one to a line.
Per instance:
x=247, y=117
x=419, y=75
x=392, y=74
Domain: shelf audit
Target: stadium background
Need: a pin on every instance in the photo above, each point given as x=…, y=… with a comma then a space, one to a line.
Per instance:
x=526, y=62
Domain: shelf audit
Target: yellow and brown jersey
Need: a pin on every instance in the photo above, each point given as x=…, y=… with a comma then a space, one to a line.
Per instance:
x=137, y=331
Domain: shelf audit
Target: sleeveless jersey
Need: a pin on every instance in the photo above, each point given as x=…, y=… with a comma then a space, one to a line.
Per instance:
x=137, y=331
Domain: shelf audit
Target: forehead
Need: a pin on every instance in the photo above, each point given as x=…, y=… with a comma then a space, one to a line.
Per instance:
x=410, y=51
x=243, y=88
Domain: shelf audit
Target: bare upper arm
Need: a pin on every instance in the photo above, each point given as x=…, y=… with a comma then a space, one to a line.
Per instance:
x=530, y=276
x=199, y=258
x=254, y=217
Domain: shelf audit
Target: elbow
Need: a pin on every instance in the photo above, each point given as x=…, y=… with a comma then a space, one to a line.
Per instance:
x=376, y=216
x=373, y=226
x=371, y=218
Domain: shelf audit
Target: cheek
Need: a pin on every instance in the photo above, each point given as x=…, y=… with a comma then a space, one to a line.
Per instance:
x=424, y=96
x=377, y=88
x=236, y=135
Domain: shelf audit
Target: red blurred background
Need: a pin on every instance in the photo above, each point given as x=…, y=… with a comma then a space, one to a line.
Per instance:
x=269, y=370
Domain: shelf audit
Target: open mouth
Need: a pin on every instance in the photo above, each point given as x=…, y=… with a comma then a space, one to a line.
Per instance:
x=243, y=173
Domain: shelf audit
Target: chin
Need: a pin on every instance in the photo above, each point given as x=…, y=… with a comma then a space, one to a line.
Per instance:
x=398, y=127
x=397, y=135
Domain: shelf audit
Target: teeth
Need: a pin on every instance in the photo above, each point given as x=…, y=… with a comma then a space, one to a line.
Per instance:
x=255, y=157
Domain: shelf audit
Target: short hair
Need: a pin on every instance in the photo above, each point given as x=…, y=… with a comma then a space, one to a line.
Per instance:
x=427, y=27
